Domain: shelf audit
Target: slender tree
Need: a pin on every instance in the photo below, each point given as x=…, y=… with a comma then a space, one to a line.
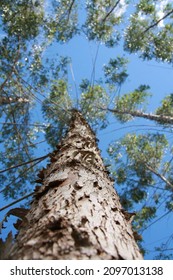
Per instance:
x=76, y=213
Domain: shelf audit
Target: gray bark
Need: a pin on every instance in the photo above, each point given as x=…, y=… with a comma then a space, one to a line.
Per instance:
x=76, y=213
x=153, y=117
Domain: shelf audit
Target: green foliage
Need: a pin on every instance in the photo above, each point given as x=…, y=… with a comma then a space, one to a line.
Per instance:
x=145, y=215
x=116, y=71
x=167, y=106
x=131, y=102
x=138, y=195
x=162, y=252
x=150, y=146
x=103, y=18
x=21, y=18
x=18, y=146
x=151, y=30
x=93, y=99
x=132, y=156
x=62, y=25
x=147, y=7
x=56, y=109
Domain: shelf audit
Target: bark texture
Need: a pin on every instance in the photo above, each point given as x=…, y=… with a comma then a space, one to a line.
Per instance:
x=76, y=213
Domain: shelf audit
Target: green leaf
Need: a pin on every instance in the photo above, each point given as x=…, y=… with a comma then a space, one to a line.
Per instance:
x=93, y=100
x=130, y=102
x=116, y=71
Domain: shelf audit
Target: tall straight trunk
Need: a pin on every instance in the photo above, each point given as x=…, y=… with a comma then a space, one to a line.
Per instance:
x=76, y=212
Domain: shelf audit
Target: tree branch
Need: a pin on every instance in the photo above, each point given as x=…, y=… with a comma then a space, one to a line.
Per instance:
x=70, y=9
x=110, y=12
x=24, y=163
x=140, y=114
x=157, y=22
x=156, y=221
x=8, y=100
x=16, y=201
x=162, y=177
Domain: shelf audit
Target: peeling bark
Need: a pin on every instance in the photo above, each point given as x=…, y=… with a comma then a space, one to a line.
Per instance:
x=76, y=213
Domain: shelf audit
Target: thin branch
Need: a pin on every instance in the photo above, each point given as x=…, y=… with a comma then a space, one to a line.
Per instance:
x=16, y=201
x=70, y=9
x=162, y=177
x=73, y=78
x=111, y=10
x=24, y=163
x=16, y=128
x=30, y=124
x=163, y=250
x=157, y=22
x=29, y=145
x=6, y=80
x=19, y=176
x=41, y=94
x=156, y=220
x=94, y=65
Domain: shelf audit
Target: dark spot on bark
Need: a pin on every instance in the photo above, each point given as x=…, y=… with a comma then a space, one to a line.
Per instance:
x=39, y=181
x=77, y=186
x=53, y=159
x=73, y=193
x=84, y=220
x=55, y=183
x=39, y=192
x=57, y=224
x=81, y=238
x=117, y=222
x=114, y=209
x=67, y=202
x=41, y=173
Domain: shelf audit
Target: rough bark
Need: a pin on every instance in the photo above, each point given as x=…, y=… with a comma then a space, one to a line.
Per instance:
x=76, y=213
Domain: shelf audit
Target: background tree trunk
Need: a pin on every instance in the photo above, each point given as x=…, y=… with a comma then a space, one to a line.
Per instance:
x=76, y=213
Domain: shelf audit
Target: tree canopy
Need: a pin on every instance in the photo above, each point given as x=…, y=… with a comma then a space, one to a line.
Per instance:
x=38, y=91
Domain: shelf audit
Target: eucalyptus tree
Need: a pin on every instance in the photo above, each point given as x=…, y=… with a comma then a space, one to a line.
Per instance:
x=33, y=81
x=76, y=213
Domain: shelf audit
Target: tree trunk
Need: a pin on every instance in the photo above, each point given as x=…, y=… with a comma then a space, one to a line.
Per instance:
x=76, y=213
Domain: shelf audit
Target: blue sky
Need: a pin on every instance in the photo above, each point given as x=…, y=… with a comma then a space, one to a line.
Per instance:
x=159, y=76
